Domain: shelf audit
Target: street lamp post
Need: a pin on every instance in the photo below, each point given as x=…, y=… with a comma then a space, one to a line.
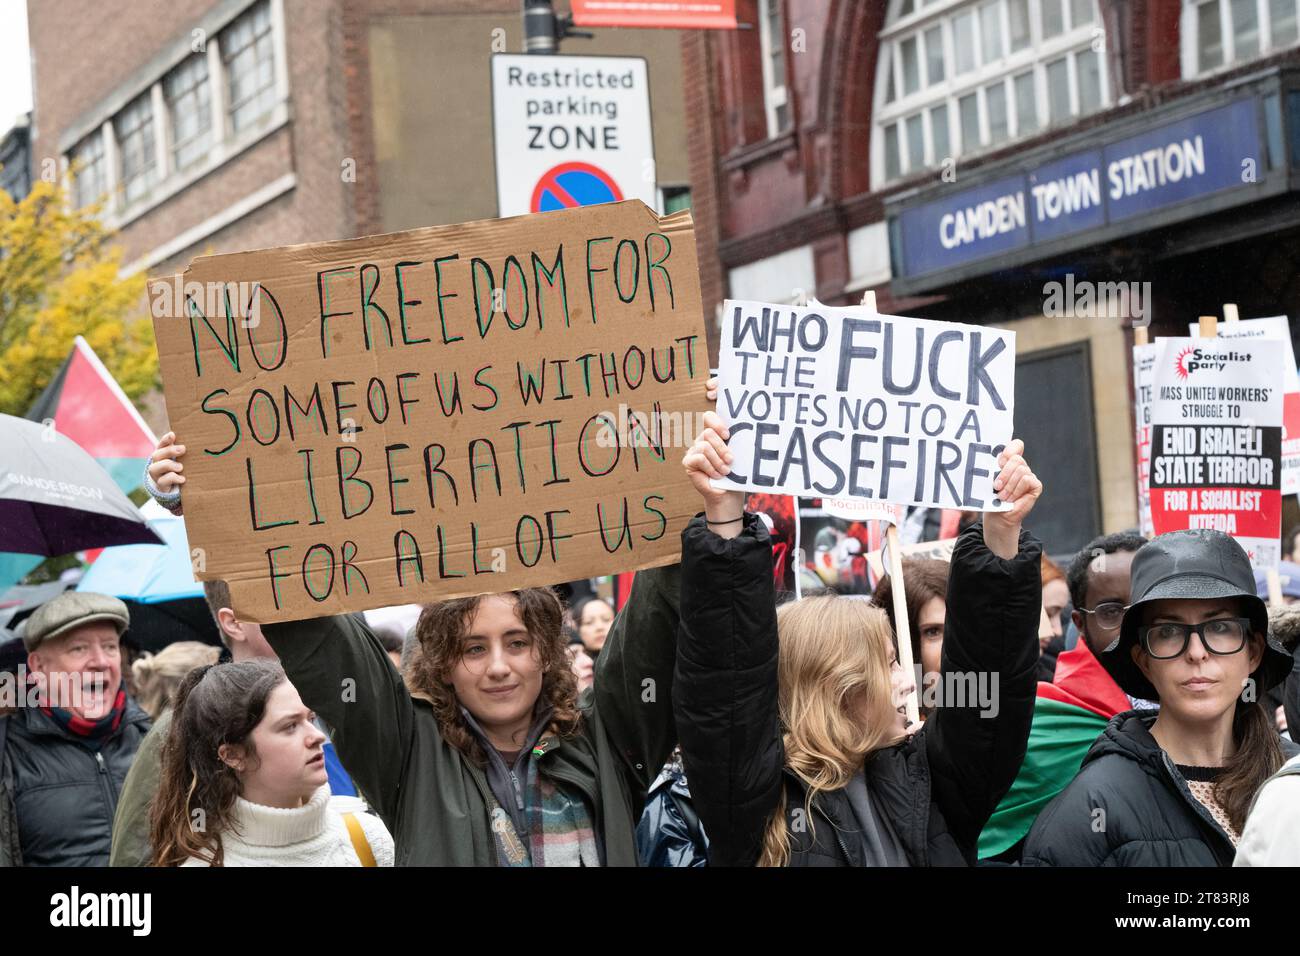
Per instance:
x=540, y=33
x=544, y=29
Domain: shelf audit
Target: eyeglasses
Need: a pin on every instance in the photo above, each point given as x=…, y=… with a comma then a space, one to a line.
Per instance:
x=1223, y=636
x=1109, y=615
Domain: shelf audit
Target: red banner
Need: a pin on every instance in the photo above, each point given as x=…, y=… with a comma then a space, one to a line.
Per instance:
x=668, y=14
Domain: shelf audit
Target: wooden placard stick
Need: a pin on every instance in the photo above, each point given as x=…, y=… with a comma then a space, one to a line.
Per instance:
x=902, y=627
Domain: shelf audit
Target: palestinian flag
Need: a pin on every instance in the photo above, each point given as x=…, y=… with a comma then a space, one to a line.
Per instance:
x=87, y=405
x=1069, y=714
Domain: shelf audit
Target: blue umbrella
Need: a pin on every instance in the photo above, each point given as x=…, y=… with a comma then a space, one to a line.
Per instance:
x=147, y=573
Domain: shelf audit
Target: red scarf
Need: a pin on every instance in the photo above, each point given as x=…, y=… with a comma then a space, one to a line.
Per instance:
x=94, y=730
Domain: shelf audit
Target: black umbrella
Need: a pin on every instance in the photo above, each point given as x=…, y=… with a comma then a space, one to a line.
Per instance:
x=154, y=626
x=56, y=499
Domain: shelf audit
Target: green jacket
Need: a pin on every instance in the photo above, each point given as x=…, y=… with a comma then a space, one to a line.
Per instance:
x=433, y=800
x=131, y=823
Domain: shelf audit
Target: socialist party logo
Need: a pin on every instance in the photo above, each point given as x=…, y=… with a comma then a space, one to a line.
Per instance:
x=1194, y=359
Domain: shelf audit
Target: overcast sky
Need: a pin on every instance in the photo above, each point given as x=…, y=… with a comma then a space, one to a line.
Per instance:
x=15, y=63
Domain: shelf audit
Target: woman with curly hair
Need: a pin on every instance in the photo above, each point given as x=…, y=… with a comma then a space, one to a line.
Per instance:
x=483, y=753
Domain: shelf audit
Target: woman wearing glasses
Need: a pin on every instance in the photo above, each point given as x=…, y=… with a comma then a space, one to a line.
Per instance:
x=1173, y=787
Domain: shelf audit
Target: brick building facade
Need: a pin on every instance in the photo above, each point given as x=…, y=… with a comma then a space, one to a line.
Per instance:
x=355, y=116
x=837, y=127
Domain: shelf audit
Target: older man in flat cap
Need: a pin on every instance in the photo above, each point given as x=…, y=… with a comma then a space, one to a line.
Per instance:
x=65, y=751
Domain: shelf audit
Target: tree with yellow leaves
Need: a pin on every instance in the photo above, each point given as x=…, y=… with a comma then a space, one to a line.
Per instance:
x=60, y=278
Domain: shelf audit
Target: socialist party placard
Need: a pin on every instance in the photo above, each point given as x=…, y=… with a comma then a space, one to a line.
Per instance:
x=1144, y=361
x=1278, y=329
x=845, y=403
x=1216, y=441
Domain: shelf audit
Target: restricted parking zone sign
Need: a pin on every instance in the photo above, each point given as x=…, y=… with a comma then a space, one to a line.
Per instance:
x=571, y=131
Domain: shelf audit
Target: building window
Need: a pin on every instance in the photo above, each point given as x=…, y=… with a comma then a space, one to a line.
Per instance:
x=189, y=106
x=248, y=55
x=135, y=145
x=198, y=112
x=1001, y=69
x=776, y=99
x=90, y=169
x=1026, y=104
x=1223, y=33
x=676, y=198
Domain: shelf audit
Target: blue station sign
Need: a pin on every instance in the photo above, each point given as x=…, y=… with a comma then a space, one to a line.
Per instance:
x=1191, y=158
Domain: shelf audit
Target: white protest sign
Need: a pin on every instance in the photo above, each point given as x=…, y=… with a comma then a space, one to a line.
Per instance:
x=1144, y=359
x=1216, y=438
x=571, y=131
x=845, y=403
x=1276, y=328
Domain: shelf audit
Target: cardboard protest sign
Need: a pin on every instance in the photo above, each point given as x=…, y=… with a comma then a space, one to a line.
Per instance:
x=1216, y=441
x=436, y=413
x=1278, y=329
x=1144, y=360
x=844, y=403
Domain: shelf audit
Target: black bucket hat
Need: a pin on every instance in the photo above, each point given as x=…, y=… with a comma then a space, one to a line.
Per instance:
x=1203, y=565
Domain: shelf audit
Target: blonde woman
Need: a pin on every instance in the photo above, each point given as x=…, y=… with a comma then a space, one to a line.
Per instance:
x=788, y=720
x=158, y=676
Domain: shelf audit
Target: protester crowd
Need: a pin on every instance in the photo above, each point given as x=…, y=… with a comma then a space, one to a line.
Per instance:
x=1142, y=698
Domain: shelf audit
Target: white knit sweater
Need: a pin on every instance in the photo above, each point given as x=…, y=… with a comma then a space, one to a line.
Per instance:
x=311, y=835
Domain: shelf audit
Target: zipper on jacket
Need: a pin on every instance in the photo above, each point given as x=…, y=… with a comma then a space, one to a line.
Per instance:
x=519, y=791
x=839, y=838
x=108, y=783
x=1186, y=793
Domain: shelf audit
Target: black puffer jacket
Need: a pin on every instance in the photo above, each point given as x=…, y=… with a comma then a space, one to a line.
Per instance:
x=1128, y=806
x=937, y=789
x=57, y=794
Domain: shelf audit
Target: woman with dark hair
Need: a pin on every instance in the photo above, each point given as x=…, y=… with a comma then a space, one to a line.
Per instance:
x=592, y=617
x=925, y=588
x=1173, y=787
x=243, y=779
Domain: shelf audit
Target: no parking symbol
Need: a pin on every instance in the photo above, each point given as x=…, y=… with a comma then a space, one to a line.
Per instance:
x=574, y=184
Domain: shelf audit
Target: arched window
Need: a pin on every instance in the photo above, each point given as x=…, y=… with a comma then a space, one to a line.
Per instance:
x=1252, y=28
x=958, y=77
